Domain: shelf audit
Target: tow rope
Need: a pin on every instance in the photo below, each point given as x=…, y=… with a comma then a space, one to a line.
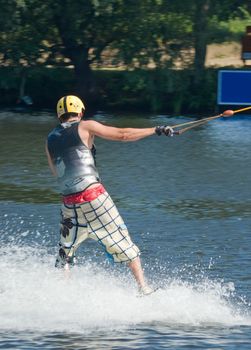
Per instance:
x=190, y=125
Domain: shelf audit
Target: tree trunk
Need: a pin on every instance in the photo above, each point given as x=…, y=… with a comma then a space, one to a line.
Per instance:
x=84, y=81
x=78, y=55
x=200, y=36
x=22, y=83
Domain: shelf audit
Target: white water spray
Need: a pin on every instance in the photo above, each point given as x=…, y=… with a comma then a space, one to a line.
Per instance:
x=35, y=295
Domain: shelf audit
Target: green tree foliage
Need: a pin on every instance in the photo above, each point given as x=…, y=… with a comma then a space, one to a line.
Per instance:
x=143, y=33
x=61, y=32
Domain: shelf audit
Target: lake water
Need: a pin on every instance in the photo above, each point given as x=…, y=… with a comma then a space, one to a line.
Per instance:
x=187, y=203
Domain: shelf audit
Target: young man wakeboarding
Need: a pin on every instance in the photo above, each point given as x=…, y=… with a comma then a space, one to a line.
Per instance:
x=87, y=209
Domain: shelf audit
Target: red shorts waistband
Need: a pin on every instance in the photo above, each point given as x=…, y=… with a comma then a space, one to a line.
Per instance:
x=84, y=196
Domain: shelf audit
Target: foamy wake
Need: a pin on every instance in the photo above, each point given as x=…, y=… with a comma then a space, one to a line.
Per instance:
x=34, y=295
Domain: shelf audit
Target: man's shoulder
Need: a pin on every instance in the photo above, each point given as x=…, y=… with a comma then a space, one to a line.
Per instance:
x=88, y=125
x=88, y=122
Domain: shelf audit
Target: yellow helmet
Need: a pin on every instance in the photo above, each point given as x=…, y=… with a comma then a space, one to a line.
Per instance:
x=69, y=104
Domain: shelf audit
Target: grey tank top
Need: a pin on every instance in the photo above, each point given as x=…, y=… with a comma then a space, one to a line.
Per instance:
x=74, y=161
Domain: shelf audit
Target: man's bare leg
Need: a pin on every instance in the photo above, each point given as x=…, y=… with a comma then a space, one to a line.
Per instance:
x=137, y=271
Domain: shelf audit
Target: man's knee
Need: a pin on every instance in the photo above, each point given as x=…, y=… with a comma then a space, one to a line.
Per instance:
x=126, y=256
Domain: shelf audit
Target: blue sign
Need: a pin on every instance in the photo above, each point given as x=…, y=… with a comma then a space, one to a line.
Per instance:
x=234, y=87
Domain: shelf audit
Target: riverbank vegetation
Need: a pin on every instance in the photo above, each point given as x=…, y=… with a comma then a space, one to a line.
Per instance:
x=149, y=55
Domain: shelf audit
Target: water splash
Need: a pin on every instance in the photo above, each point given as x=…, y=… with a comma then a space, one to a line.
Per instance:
x=35, y=295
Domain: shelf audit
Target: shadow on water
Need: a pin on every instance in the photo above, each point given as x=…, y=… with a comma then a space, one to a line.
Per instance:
x=200, y=209
x=188, y=208
x=25, y=194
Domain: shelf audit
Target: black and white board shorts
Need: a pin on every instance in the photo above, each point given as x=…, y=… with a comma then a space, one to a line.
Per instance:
x=100, y=220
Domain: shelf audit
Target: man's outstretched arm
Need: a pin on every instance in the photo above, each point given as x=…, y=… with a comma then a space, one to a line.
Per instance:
x=115, y=134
